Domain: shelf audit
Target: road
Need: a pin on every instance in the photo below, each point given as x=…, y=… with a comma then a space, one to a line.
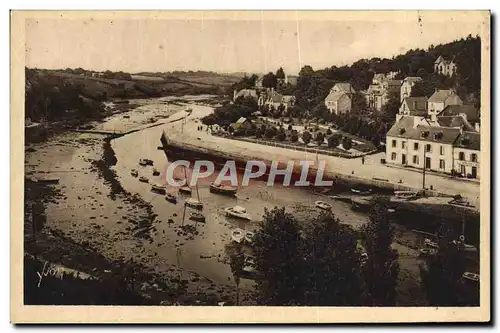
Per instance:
x=189, y=133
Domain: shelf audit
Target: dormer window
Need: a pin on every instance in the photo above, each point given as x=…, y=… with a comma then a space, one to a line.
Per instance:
x=438, y=135
x=465, y=141
x=424, y=134
x=402, y=131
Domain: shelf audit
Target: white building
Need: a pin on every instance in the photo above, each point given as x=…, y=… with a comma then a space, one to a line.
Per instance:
x=414, y=106
x=467, y=154
x=407, y=85
x=445, y=67
x=441, y=99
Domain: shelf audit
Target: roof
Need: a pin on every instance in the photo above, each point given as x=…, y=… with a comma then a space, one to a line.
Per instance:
x=416, y=105
x=469, y=140
x=241, y=120
x=344, y=86
x=288, y=98
x=246, y=92
x=276, y=97
x=471, y=113
x=454, y=121
x=412, y=79
x=335, y=96
x=442, y=59
x=404, y=128
x=440, y=95
x=394, y=82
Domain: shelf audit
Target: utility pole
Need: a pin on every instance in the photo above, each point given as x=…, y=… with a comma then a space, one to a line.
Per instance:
x=423, y=173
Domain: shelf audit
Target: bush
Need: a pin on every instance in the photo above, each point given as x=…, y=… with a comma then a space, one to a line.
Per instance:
x=270, y=132
x=281, y=137
x=294, y=137
x=329, y=132
x=306, y=137
x=290, y=127
x=320, y=137
x=347, y=143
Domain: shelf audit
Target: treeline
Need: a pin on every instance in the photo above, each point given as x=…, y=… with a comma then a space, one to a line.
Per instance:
x=230, y=112
x=52, y=98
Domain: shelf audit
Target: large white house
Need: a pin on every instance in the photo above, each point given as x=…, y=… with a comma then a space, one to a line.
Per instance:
x=413, y=142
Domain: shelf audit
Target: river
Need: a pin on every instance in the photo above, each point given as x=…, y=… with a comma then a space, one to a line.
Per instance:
x=142, y=226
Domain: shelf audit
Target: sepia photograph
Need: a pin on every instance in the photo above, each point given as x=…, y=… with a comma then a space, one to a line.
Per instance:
x=234, y=165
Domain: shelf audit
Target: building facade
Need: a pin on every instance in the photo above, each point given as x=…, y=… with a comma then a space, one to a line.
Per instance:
x=407, y=85
x=467, y=155
x=441, y=99
x=445, y=67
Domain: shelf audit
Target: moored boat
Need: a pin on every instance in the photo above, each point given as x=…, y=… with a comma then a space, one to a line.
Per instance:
x=407, y=195
x=323, y=205
x=171, y=198
x=237, y=235
x=155, y=172
x=223, y=189
x=185, y=189
x=193, y=203
x=197, y=216
x=143, y=179
x=143, y=162
x=471, y=276
x=160, y=188
x=249, y=237
x=238, y=212
x=134, y=172
x=361, y=191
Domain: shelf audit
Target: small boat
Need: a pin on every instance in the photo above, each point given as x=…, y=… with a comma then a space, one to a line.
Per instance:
x=223, y=189
x=143, y=179
x=249, y=236
x=238, y=235
x=171, y=198
x=429, y=243
x=160, y=188
x=126, y=116
x=407, y=195
x=188, y=110
x=155, y=172
x=323, y=205
x=193, y=203
x=427, y=252
x=197, y=216
x=148, y=161
x=143, y=162
x=471, y=276
x=185, y=189
x=460, y=202
x=134, y=172
x=361, y=191
x=238, y=212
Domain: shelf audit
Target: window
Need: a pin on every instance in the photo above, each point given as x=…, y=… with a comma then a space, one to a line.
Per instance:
x=461, y=156
x=393, y=156
x=473, y=157
x=428, y=148
x=415, y=159
x=441, y=150
x=441, y=164
x=415, y=146
x=393, y=143
x=403, y=144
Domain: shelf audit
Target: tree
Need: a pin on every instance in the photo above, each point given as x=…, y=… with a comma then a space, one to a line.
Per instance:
x=391, y=107
x=236, y=262
x=328, y=131
x=306, y=137
x=382, y=268
x=442, y=274
x=278, y=257
x=281, y=136
x=320, y=138
x=332, y=264
x=290, y=127
x=258, y=133
x=347, y=143
x=294, y=137
x=270, y=132
x=358, y=103
x=333, y=140
x=280, y=74
x=421, y=89
x=269, y=80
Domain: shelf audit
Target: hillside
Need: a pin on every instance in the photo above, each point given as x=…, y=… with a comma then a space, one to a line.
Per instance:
x=56, y=95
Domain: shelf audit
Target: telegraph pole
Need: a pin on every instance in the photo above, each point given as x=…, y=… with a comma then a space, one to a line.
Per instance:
x=423, y=173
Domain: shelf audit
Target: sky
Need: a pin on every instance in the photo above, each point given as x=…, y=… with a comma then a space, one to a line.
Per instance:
x=257, y=42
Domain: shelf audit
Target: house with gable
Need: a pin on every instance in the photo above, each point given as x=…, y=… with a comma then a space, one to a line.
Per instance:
x=414, y=106
x=441, y=99
x=445, y=67
x=407, y=84
x=339, y=100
